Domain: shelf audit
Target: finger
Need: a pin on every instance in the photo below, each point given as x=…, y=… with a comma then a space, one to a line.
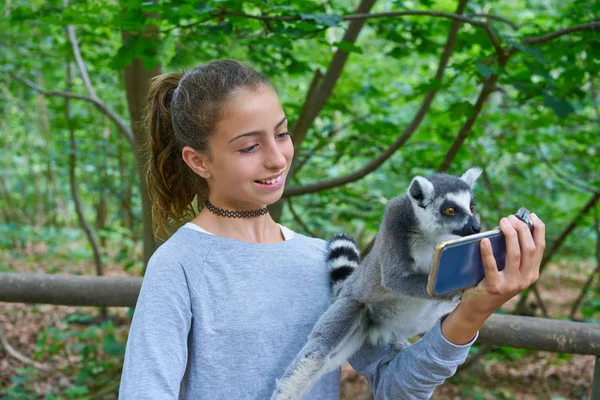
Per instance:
x=513, y=252
x=539, y=237
x=492, y=275
x=527, y=247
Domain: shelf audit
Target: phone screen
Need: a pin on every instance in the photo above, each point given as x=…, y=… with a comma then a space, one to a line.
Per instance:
x=459, y=265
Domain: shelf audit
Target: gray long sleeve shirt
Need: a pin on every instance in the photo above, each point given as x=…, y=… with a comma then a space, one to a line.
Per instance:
x=219, y=318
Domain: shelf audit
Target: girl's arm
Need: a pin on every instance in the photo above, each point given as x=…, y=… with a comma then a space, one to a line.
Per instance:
x=156, y=353
x=417, y=371
x=413, y=373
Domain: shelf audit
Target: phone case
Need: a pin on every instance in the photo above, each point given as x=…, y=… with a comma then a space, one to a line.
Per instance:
x=457, y=263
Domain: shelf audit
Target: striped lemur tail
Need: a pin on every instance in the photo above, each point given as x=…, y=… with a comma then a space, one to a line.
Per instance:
x=342, y=259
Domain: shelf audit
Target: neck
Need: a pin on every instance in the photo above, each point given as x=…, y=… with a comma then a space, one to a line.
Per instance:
x=262, y=229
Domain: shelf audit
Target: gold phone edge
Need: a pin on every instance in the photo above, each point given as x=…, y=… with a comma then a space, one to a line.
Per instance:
x=435, y=261
x=434, y=267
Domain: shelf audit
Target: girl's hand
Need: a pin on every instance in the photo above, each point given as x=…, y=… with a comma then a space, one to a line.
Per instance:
x=522, y=268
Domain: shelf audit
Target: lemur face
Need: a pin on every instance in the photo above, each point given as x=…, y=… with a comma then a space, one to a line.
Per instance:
x=444, y=205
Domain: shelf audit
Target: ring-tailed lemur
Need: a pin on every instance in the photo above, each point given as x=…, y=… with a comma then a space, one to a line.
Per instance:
x=384, y=298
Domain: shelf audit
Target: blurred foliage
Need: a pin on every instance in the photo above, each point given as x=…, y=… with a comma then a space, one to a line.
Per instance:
x=94, y=352
x=536, y=137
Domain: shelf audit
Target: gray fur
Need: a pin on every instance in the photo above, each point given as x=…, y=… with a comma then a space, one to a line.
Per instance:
x=385, y=300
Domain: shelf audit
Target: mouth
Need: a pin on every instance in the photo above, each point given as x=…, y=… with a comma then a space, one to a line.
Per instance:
x=271, y=181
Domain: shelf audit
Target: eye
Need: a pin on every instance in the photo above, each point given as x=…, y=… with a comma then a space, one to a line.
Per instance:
x=472, y=207
x=248, y=149
x=282, y=136
x=450, y=211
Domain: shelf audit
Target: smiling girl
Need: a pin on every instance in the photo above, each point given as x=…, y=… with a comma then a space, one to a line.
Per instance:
x=230, y=298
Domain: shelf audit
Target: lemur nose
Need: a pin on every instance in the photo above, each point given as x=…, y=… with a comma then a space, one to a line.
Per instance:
x=475, y=227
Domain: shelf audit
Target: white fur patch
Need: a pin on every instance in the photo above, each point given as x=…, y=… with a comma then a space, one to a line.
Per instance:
x=425, y=185
x=337, y=243
x=427, y=220
x=422, y=250
x=463, y=199
x=471, y=176
x=343, y=261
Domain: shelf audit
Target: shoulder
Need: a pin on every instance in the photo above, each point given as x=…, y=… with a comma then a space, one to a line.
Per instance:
x=184, y=248
x=316, y=244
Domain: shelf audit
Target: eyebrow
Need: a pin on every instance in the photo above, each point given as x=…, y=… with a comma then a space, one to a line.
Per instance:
x=253, y=133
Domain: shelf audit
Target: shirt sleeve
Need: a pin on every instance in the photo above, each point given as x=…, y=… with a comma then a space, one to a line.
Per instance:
x=414, y=373
x=156, y=352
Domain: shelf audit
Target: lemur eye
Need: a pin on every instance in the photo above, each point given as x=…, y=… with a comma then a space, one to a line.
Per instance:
x=472, y=207
x=449, y=211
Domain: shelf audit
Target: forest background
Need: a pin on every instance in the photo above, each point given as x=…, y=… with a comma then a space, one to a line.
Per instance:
x=376, y=91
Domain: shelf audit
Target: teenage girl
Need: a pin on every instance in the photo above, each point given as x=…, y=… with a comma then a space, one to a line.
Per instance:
x=231, y=297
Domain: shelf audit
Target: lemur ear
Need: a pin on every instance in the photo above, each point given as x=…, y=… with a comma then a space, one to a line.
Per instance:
x=421, y=190
x=471, y=176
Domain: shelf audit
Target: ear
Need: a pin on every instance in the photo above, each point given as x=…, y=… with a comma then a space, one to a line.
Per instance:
x=421, y=190
x=197, y=161
x=471, y=176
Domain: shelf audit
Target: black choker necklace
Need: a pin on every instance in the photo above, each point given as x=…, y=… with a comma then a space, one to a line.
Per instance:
x=235, y=214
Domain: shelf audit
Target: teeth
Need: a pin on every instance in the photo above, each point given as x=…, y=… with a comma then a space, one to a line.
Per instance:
x=271, y=181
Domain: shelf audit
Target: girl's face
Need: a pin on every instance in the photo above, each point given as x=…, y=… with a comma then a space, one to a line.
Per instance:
x=250, y=152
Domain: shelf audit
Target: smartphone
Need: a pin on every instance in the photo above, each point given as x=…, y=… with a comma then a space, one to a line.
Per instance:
x=457, y=263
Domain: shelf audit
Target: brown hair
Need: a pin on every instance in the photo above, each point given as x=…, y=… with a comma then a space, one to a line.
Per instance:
x=183, y=110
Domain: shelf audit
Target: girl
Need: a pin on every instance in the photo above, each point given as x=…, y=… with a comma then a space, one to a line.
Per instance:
x=230, y=298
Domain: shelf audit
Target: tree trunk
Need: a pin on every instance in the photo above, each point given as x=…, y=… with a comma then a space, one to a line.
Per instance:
x=125, y=199
x=137, y=84
x=74, y=192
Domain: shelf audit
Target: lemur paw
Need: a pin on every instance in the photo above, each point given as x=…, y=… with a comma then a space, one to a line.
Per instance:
x=397, y=347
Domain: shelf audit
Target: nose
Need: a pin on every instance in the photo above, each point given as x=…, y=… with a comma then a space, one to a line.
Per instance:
x=471, y=227
x=275, y=157
x=475, y=227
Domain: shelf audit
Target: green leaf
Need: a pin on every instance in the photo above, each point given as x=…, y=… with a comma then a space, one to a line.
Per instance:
x=348, y=47
x=561, y=107
x=461, y=109
x=484, y=70
x=325, y=19
x=113, y=348
x=398, y=52
x=77, y=391
x=432, y=84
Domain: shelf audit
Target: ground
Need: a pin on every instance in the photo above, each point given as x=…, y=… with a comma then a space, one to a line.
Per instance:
x=524, y=375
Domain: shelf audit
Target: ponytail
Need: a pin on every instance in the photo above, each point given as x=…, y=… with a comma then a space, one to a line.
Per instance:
x=171, y=184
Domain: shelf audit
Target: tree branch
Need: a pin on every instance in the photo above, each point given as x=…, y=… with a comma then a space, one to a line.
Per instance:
x=568, y=179
x=78, y=58
x=594, y=273
x=15, y=354
x=298, y=137
x=559, y=241
x=298, y=219
x=73, y=180
x=497, y=18
x=553, y=35
x=412, y=127
x=487, y=181
x=486, y=90
x=361, y=16
x=103, y=108
x=540, y=302
x=334, y=131
x=321, y=89
x=556, y=244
